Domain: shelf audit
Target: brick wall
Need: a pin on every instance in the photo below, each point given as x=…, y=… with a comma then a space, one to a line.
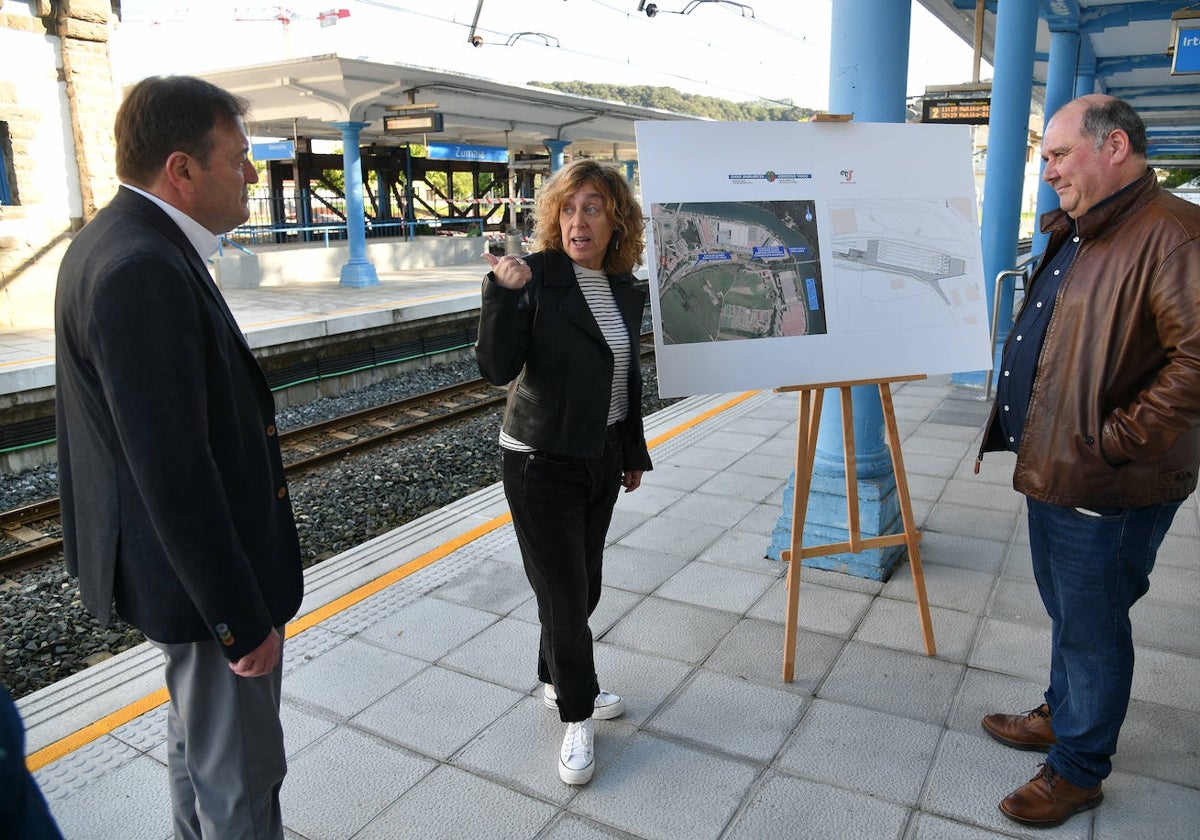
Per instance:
x=59, y=111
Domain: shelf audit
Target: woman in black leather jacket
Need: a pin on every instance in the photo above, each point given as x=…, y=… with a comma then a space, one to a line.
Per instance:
x=561, y=326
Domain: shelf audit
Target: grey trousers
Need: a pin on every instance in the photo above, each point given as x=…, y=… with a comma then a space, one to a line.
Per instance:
x=225, y=752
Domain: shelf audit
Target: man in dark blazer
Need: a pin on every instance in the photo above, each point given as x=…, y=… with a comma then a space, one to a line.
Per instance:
x=174, y=501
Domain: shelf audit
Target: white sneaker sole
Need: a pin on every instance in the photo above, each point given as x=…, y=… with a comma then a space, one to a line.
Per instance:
x=576, y=777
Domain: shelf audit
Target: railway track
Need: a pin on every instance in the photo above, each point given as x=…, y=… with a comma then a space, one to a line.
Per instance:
x=32, y=534
x=319, y=443
x=29, y=535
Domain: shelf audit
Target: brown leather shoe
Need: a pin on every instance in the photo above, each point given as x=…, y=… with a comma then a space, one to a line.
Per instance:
x=1048, y=799
x=1030, y=731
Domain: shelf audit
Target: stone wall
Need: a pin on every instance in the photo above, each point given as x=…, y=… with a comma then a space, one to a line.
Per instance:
x=59, y=109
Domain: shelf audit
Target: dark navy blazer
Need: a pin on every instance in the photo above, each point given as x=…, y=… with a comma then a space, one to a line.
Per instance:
x=174, y=501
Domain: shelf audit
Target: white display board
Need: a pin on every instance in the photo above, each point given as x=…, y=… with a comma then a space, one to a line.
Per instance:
x=803, y=253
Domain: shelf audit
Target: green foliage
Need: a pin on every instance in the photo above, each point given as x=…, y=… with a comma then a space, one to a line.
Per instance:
x=669, y=99
x=335, y=179
x=1171, y=178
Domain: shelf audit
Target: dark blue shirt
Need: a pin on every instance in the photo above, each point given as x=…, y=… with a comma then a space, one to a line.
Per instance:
x=1018, y=365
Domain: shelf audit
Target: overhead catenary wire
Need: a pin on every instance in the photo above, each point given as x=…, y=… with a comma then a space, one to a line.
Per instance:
x=500, y=38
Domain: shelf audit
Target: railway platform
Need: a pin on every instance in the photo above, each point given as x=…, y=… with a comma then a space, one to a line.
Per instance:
x=285, y=313
x=412, y=709
x=313, y=338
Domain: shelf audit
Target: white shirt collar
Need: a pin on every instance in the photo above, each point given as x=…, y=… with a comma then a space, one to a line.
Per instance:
x=203, y=240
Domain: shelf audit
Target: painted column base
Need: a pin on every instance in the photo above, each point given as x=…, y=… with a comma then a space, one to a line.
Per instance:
x=827, y=522
x=358, y=274
x=974, y=378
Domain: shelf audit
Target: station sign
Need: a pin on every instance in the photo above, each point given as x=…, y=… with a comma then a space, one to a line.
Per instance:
x=274, y=150
x=465, y=151
x=1186, y=54
x=413, y=124
x=973, y=110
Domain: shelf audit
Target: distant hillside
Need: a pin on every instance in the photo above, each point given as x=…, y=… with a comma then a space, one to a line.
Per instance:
x=669, y=99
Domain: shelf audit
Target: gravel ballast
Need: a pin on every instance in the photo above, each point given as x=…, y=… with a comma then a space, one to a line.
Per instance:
x=49, y=636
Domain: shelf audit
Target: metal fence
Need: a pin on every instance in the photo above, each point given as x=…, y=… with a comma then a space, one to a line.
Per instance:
x=320, y=217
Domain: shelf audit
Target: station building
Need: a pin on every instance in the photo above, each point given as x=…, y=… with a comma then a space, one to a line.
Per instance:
x=57, y=105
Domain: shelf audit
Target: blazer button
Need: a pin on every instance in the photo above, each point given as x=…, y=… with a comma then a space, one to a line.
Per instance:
x=1181, y=476
x=271, y=430
x=281, y=492
x=1089, y=440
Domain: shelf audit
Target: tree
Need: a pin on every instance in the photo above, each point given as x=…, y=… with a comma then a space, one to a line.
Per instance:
x=1171, y=178
x=669, y=99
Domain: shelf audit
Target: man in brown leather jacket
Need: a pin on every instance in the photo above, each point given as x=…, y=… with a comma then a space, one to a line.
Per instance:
x=1099, y=397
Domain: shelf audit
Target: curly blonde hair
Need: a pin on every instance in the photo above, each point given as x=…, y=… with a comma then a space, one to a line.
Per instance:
x=624, y=250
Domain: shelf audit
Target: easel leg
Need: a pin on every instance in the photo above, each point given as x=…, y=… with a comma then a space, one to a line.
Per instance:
x=912, y=538
x=806, y=444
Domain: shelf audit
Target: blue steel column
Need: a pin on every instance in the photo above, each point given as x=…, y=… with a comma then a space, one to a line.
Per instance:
x=1085, y=72
x=357, y=271
x=1060, y=89
x=410, y=216
x=1008, y=139
x=868, y=70
x=1085, y=83
x=556, y=149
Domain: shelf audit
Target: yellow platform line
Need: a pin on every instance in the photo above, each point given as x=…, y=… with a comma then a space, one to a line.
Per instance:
x=53, y=752
x=30, y=361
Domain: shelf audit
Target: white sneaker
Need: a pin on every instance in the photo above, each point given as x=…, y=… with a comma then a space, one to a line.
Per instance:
x=576, y=759
x=606, y=707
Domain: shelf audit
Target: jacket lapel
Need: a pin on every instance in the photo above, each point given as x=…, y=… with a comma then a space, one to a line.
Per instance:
x=131, y=202
x=560, y=273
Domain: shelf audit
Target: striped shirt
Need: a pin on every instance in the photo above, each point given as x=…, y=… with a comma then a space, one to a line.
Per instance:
x=598, y=294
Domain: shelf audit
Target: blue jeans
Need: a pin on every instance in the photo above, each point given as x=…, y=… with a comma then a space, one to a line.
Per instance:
x=1090, y=571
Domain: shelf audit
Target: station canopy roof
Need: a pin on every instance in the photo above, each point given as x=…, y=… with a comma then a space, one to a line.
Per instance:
x=304, y=97
x=1125, y=41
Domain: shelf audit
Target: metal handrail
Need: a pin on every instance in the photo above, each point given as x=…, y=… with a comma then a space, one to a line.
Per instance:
x=1023, y=273
x=406, y=229
x=224, y=240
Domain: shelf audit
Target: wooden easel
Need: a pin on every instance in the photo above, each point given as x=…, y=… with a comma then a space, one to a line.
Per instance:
x=811, y=397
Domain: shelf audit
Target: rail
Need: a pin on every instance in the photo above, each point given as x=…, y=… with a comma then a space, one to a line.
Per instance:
x=1003, y=288
x=273, y=234
x=224, y=241
x=304, y=447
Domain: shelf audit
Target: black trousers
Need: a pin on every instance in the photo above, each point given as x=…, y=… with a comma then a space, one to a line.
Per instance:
x=561, y=508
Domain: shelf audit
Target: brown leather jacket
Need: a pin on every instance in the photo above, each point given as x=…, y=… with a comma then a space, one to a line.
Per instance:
x=1114, y=417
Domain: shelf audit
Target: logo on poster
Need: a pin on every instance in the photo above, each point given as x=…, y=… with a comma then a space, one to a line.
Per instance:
x=770, y=176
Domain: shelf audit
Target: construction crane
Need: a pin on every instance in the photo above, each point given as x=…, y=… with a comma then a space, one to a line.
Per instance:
x=282, y=14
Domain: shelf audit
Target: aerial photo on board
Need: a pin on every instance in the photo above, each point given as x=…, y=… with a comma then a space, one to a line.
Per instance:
x=730, y=271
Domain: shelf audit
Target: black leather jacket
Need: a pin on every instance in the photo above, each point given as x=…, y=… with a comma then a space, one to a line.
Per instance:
x=544, y=342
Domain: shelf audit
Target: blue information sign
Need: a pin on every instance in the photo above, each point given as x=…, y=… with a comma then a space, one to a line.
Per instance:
x=1187, y=51
x=764, y=252
x=275, y=150
x=810, y=287
x=463, y=151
